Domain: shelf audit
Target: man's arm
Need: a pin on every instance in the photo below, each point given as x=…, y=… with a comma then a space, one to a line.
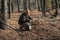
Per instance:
x=29, y=17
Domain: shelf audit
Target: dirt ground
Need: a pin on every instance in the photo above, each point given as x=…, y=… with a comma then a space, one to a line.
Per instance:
x=43, y=28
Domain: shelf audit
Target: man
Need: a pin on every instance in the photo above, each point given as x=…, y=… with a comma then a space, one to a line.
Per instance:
x=24, y=20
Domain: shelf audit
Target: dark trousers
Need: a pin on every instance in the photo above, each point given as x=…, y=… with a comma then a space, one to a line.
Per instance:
x=24, y=26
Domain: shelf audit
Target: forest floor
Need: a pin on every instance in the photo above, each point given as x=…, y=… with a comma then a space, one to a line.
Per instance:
x=43, y=28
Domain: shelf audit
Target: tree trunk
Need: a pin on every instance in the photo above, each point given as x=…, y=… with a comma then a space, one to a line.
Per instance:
x=12, y=7
x=41, y=3
x=43, y=9
x=38, y=3
x=25, y=4
x=18, y=5
x=56, y=7
x=4, y=12
x=29, y=5
x=59, y=6
x=52, y=5
x=9, y=8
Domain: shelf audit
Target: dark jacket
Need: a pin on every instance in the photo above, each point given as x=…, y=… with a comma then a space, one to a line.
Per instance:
x=24, y=18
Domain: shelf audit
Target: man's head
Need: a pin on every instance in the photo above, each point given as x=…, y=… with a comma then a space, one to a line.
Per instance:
x=26, y=12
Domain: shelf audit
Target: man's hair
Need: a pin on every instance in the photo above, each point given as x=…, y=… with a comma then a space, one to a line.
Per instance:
x=25, y=11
